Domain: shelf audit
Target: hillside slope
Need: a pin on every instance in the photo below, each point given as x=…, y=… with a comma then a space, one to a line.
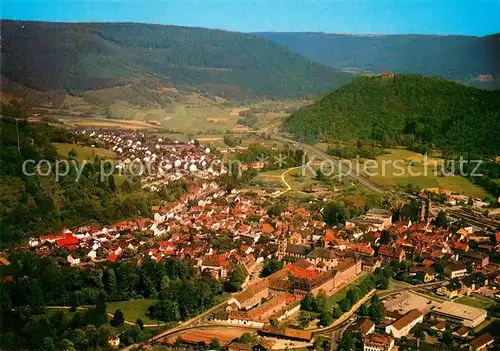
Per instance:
x=404, y=109
x=453, y=57
x=82, y=56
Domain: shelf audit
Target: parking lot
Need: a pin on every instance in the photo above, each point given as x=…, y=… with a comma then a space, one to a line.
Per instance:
x=407, y=301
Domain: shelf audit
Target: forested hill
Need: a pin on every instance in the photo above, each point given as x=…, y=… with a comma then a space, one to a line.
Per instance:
x=451, y=57
x=82, y=56
x=406, y=109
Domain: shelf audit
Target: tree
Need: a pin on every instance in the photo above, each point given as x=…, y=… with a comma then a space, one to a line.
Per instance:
x=73, y=302
x=419, y=333
x=363, y=310
x=166, y=310
x=67, y=345
x=321, y=302
x=336, y=312
x=304, y=318
x=270, y=267
x=404, y=265
x=447, y=338
x=308, y=302
x=235, y=279
x=470, y=267
x=347, y=343
x=376, y=309
x=110, y=284
x=385, y=237
x=140, y=323
x=118, y=318
x=248, y=339
x=72, y=155
x=384, y=283
x=334, y=214
x=214, y=344
x=441, y=220
x=111, y=183
x=344, y=305
x=320, y=175
x=48, y=344
x=318, y=344
x=439, y=266
x=326, y=319
x=353, y=295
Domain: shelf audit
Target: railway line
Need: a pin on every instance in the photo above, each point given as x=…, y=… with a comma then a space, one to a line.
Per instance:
x=347, y=171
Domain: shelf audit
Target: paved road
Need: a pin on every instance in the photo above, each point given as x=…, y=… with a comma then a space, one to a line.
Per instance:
x=386, y=293
x=184, y=326
x=339, y=163
x=335, y=330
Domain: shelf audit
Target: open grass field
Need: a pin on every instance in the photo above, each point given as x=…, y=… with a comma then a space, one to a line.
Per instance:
x=340, y=294
x=198, y=119
x=398, y=284
x=133, y=309
x=402, y=167
x=109, y=123
x=476, y=300
x=83, y=152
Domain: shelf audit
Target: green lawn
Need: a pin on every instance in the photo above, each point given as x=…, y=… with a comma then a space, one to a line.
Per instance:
x=133, y=309
x=398, y=284
x=402, y=167
x=83, y=152
x=476, y=300
x=340, y=294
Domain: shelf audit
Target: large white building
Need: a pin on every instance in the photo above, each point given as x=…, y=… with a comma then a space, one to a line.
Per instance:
x=462, y=314
x=403, y=325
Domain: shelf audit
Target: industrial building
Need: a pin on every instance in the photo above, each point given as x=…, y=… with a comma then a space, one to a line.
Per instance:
x=461, y=314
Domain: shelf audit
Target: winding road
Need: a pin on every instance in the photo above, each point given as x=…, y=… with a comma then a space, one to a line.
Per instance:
x=332, y=329
x=339, y=163
x=288, y=186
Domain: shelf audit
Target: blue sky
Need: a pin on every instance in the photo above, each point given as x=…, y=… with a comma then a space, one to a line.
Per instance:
x=370, y=16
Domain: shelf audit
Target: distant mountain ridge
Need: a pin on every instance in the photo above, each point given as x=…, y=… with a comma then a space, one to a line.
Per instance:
x=81, y=56
x=454, y=57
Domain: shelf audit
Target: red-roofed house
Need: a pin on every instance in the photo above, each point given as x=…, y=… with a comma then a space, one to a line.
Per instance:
x=69, y=242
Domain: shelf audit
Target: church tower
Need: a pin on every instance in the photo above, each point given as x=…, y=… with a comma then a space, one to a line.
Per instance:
x=282, y=245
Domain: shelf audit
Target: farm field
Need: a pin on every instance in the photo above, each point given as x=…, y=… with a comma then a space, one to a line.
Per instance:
x=133, y=310
x=198, y=119
x=108, y=123
x=414, y=168
x=83, y=152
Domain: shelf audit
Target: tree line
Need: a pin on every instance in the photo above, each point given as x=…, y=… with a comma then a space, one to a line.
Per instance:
x=31, y=283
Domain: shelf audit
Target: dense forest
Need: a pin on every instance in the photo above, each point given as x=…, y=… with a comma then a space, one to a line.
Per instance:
x=88, y=56
x=454, y=57
x=409, y=110
x=37, y=282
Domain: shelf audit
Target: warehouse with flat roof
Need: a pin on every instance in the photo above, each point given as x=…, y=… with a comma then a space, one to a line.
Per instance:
x=458, y=313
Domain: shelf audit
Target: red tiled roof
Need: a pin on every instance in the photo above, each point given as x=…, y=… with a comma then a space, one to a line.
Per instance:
x=69, y=240
x=461, y=246
x=299, y=272
x=267, y=228
x=377, y=339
